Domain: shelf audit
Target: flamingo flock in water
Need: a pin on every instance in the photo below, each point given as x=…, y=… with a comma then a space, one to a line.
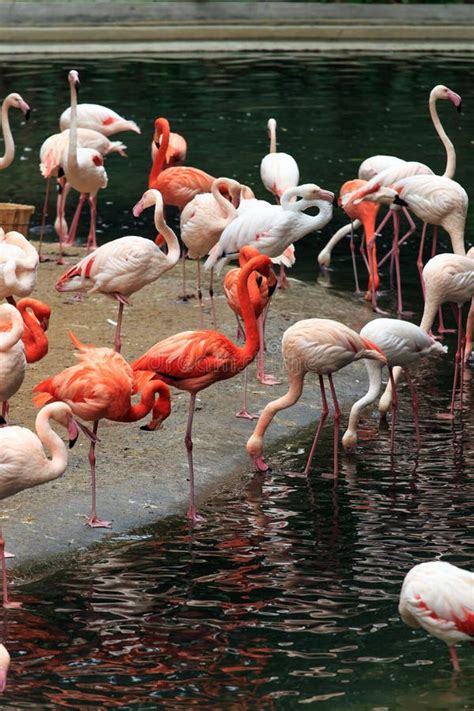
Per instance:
x=221, y=219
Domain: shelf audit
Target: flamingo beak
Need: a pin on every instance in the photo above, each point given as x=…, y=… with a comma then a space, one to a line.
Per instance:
x=138, y=208
x=455, y=99
x=26, y=109
x=260, y=464
x=327, y=195
x=73, y=433
x=44, y=323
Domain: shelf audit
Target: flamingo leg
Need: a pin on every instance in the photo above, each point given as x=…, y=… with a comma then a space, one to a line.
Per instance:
x=458, y=360
x=188, y=440
x=93, y=521
x=394, y=410
x=5, y=411
x=401, y=240
x=43, y=220
x=201, y=306
x=337, y=421
x=184, y=298
x=283, y=281
x=419, y=261
x=118, y=328
x=60, y=216
x=7, y=603
x=244, y=411
x=414, y=403
x=91, y=239
x=454, y=658
x=211, y=296
x=354, y=265
x=396, y=254
x=322, y=420
x=75, y=220
x=263, y=377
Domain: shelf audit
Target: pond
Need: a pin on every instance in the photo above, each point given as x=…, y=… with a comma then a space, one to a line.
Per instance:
x=286, y=596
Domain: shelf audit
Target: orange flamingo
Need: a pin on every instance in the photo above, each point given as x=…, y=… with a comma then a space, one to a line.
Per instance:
x=36, y=323
x=176, y=151
x=101, y=386
x=367, y=218
x=194, y=360
x=178, y=184
x=260, y=291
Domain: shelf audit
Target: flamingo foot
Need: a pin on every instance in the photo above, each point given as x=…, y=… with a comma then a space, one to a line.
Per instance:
x=406, y=314
x=9, y=605
x=267, y=379
x=43, y=259
x=60, y=261
x=95, y=522
x=9, y=555
x=446, y=330
x=246, y=415
x=193, y=516
x=184, y=298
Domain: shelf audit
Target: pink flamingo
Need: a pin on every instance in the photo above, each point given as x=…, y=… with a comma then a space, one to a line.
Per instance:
x=261, y=290
x=194, y=360
x=320, y=346
x=83, y=168
x=15, y=101
x=404, y=345
x=101, y=386
x=18, y=266
x=124, y=266
x=439, y=598
x=97, y=118
x=12, y=356
x=24, y=464
x=4, y=665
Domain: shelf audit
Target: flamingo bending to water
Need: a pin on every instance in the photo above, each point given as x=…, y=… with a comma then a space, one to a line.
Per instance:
x=12, y=355
x=15, y=101
x=320, y=346
x=124, y=266
x=35, y=324
x=24, y=464
x=194, y=360
x=101, y=386
x=439, y=598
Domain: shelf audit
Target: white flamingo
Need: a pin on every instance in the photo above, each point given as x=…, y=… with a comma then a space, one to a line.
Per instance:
x=17, y=102
x=12, y=355
x=18, y=266
x=98, y=118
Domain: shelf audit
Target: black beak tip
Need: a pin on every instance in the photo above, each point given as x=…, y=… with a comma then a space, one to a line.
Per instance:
x=259, y=281
x=145, y=428
x=27, y=114
x=459, y=107
x=335, y=202
x=2, y=421
x=72, y=442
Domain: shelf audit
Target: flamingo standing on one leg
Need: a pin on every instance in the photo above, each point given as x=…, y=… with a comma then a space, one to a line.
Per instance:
x=83, y=167
x=101, y=386
x=319, y=346
x=278, y=171
x=35, y=324
x=194, y=360
x=24, y=464
x=404, y=345
x=439, y=598
x=260, y=291
x=15, y=101
x=125, y=265
x=12, y=356
x=178, y=184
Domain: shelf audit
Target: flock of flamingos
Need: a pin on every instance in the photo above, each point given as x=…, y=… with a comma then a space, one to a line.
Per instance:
x=222, y=219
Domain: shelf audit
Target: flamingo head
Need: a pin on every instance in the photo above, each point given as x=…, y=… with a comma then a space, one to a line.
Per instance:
x=18, y=102
x=255, y=451
x=161, y=124
x=442, y=92
x=271, y=126
x=149, y=198
x=73, y=79
x=349, y=441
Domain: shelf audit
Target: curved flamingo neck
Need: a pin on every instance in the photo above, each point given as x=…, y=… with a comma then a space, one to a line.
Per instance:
x=374, y=370
x=166, y=232
x=227, y=209
x=49, y=439
x=9, y=154
x=249, y=350
x=156, y=395
x=14, y=334
x=72, y=146
x=160, y=156
x=272, y=131
x=450, y=169
x=34, y=338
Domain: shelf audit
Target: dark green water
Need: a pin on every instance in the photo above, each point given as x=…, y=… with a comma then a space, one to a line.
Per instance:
x=286, y=597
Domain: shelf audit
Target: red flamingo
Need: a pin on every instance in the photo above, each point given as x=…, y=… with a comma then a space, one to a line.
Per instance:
x=178, y=184
x=194, y=360
x=260, y=292
x=101, y=386
x=36, y=323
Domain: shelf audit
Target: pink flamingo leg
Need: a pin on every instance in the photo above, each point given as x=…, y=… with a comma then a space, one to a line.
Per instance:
x=43, y=220
x=63, y=188
x=396, y=254
x=458, y=360
x=394, y=410
x=337, y=421
x=8, y=604
x=188, y=440
x=403, y=239
x=454, y=659
x=5, y=411
x=91, y=239
x=354, y=265
x=93, y=521
x=263, y=377
x=211, y=296
x=118, y=328
x=283, y=282
x=322, y=420
x=75, y=220
x=184, y=298
x=419, y=261
x=244, y=411
x=414, y=403
x=201, y=305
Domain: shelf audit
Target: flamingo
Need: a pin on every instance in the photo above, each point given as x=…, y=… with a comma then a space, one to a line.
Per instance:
x=17, y=102
x=260, y=292
x=319, y=346
x=178, y=184
x=35, y=324
x=97, y=118
x=52, y=152
x=278, y=171
x=124, y=266
x=101, y=386
x=272, y=229
x=12, y=355
x=24, y=464
x=404, y=345
x=447, y=278
x=202, y=222
x=176, y=151
x=194, y=360
x=18, y=266
x=83, y=167
x=4, y=665
x=439, y=598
